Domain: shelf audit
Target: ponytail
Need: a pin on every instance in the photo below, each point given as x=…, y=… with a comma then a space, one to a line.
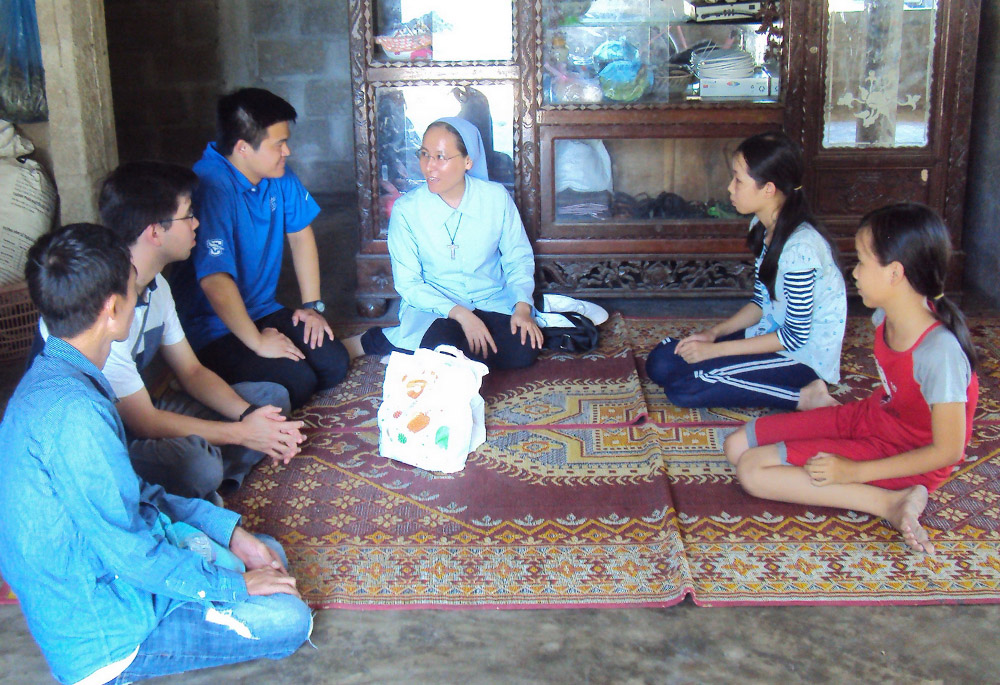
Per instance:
x=948, y=313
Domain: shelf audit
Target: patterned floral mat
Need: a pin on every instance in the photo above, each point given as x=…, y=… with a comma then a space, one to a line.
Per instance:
x=592, y=490
x=514, y=528
x=744, y=550
x=551, y=392
x=565, y=505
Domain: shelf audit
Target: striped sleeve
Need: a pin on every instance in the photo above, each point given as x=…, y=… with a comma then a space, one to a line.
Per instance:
x=798, y=291
x=759, y=293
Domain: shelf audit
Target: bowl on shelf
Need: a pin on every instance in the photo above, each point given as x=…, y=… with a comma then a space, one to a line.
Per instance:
x=402, y=48
x=672, y=83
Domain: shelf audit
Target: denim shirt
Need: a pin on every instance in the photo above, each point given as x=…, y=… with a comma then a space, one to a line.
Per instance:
x=77, y=541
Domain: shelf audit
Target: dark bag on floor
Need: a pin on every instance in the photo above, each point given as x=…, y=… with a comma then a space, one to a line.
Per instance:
x=581, y=337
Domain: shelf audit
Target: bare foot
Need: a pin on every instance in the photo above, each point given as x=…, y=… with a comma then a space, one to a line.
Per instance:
x=815, y=395
x=904, y=516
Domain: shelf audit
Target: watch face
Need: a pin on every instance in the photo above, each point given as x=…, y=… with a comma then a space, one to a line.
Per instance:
x=317, y=305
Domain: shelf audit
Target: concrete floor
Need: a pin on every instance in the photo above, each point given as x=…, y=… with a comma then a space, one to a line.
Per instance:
x=680, y=644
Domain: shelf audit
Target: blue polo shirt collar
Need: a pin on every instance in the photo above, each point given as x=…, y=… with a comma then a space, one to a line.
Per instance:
x=239, y=180
x=147, y=293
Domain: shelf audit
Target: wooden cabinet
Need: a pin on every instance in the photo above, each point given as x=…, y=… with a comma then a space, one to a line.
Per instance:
x=612, y=122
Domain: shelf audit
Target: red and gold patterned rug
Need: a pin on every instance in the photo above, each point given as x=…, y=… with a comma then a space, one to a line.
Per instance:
x=565, y=505
x=536, y=518
x=599, y=388
x=592, y=490
x=744, y=550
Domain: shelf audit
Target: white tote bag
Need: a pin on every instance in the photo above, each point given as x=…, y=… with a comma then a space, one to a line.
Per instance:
x=27, y=203
x=432, y=415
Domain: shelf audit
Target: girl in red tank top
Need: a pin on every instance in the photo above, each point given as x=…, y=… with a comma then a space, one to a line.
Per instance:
x=883, y=454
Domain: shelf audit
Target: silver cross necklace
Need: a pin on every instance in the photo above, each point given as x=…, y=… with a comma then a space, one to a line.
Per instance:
x=451, y=235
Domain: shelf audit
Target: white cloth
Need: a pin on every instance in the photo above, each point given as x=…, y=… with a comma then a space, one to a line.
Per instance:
x=583, y=166
x=109, y=672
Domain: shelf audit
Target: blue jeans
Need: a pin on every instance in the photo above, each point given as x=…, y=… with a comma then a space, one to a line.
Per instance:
x=200, y=635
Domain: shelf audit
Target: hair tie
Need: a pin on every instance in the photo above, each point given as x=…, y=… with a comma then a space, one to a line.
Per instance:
x=938, y=297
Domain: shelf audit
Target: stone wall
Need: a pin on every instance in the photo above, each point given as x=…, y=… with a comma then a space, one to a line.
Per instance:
x=78, y=141
x=171, y=60
x=982, y=208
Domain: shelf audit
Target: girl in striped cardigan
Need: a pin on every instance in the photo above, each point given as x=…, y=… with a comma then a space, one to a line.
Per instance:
x=783, y=347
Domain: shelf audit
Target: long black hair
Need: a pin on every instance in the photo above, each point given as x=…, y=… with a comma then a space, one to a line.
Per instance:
x=773, y=157
x=915, y=236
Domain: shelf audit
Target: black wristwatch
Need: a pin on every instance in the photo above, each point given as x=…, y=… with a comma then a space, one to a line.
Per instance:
x=248, y=411
x=315, y=304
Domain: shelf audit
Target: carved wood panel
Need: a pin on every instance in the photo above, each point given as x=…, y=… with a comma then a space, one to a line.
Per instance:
x=643, y=274
x=375, y=275
x=961, y=75
x=853, y=192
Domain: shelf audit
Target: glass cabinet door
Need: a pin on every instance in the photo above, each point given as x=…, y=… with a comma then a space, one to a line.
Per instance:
x=404, y=113
x=445, y=30
x=650, y=51
x=635, y=180
x=879, y=73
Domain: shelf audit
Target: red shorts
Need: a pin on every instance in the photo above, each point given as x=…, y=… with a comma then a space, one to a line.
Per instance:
x=855, y=431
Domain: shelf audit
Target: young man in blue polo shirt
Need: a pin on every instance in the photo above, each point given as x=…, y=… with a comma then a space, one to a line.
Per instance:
x=84, y=542
x=248, y=202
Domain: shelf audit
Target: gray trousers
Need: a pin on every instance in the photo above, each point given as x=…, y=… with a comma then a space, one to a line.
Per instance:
x=191, y=466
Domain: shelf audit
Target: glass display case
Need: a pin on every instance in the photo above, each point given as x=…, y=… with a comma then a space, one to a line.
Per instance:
x=879, y=66
x=613, y=122
x=433, y=30
x=649, y=51
x=895, y=103
x=629, y=180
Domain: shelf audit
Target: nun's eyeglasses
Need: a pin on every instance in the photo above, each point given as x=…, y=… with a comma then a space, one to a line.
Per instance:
x=425, y=156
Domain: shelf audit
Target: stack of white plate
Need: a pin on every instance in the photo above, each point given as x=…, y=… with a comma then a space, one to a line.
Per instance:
x=723, y=63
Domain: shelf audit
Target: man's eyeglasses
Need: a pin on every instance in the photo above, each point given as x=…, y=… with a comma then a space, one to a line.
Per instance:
x=180, y=218
x=423, y=155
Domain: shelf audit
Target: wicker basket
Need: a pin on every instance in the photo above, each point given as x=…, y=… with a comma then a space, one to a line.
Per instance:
x=18, y=322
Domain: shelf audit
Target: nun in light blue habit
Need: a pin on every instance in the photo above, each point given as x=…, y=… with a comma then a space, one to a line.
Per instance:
x=461, y=260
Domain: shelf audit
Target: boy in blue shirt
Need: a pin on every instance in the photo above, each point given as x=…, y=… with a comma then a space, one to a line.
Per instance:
x=248, y=202
x=208, y=434
x=84, y=541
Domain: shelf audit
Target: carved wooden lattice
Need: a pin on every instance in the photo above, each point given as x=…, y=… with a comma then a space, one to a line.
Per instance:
x=645, y=275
